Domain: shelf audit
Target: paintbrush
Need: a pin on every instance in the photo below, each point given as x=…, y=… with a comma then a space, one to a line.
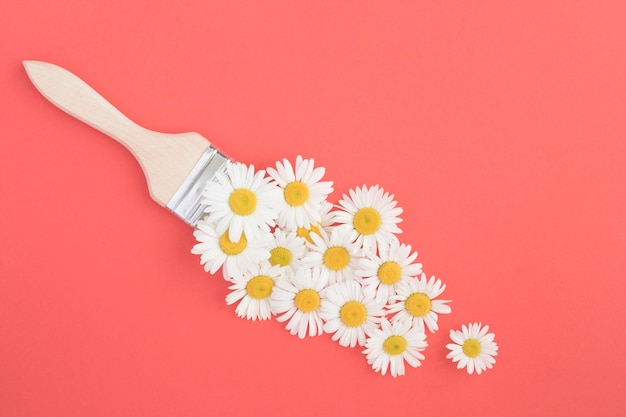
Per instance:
x=177, y=166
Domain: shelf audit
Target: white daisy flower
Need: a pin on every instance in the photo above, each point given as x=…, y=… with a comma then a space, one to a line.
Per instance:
x=415, y=301
x=383, y=273
x=302, y=190
x=371, y=215
x=336, y=254
x=327, y=221
x=253, y=290
x=217, y=250
x=241, y=201
x=298, y=300
x=287, y=250
x=349, y=314
x=473, y=348
x=391, y=345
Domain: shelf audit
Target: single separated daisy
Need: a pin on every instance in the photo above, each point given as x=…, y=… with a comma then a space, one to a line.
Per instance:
x=217, y=250
x=253, y=290
x=415, y=301
x=241, y=201
x=336, y=254
x=349, y=314
x=302, y=192
x=298, y=300
x=383, y=273
x=473, y=348
x=287, y=250
x=393, y=344
x=371, y=215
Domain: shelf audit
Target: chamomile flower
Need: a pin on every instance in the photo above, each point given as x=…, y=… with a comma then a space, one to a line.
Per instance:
x=336, y=254
x=371, y=215
x=241, y=201
x=287, y=250
x=253, y=290
x=383, y=273
x=393, y=344
x=326, y=223
x=349, y=314
x=473, y=348
x=303, y=192
x=415, y=301
x=217, y=250
x=298, y=300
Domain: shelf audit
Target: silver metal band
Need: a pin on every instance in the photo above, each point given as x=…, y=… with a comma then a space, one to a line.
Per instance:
x=185, y=202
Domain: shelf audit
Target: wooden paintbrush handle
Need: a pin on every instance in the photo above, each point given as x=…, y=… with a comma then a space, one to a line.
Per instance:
x=166, y=159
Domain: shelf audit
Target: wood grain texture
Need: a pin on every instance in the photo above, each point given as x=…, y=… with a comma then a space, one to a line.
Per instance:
x=166, y=158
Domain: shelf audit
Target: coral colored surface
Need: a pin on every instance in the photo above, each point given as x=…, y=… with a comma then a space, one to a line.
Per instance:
x=499, y=126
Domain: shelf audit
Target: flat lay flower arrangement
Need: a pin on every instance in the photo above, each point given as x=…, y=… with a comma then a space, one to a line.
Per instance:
x=289, y=254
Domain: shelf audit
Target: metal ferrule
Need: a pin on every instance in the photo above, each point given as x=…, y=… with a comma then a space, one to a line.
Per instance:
x=186, y=201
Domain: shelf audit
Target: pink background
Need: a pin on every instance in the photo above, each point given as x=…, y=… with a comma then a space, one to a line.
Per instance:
x=499, y=126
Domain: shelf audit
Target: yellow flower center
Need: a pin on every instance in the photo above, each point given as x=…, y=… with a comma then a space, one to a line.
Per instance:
x=232, y=248
x=418, y=304
x=471, y=348
x=394, y=345
x=306, y=233
x=296, y=193
x=389, y=272
x=260, y=287
x=353, y=313
x=307, y=300
x=367, y=221
x=280, y=256
x=336, y=258
x=242, y=201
